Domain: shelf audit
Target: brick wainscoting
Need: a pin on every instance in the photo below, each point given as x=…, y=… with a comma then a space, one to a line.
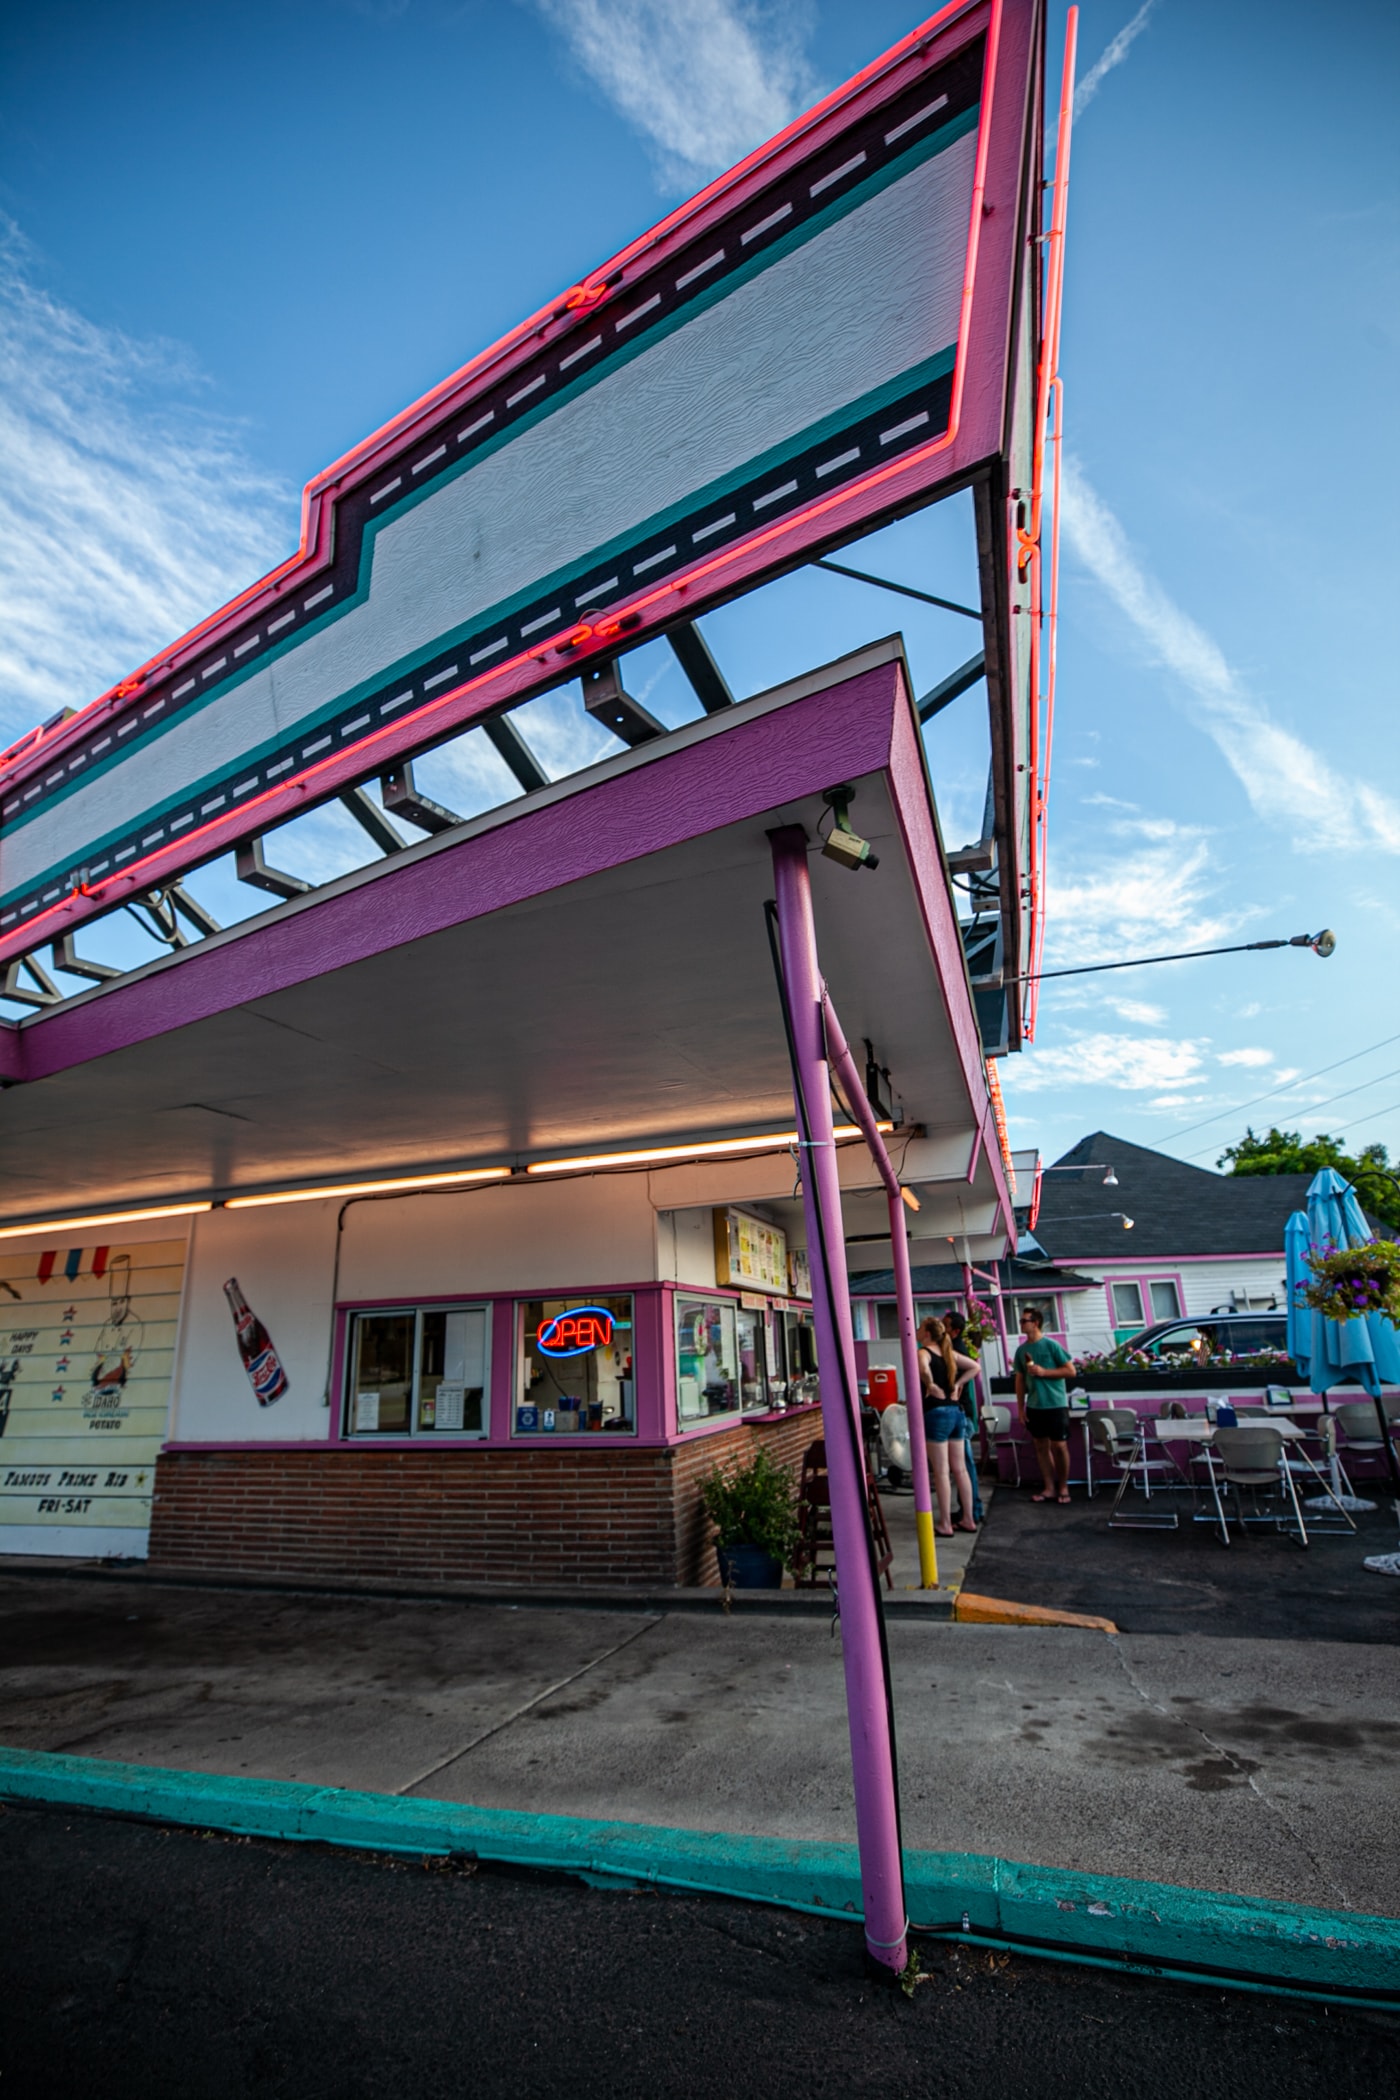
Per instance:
x=580, y=1515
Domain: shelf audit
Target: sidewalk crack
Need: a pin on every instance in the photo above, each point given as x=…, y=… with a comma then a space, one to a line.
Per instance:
x=1266, y=1801
x=509, y=1720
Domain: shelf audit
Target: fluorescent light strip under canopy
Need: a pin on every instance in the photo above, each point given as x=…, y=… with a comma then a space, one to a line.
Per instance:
x=104, y=1217
x=402, y=1183
x=771, y=1141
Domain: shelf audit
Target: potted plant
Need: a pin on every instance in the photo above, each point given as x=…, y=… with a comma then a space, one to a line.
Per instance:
x=753, y=1509
x=1349, y=1282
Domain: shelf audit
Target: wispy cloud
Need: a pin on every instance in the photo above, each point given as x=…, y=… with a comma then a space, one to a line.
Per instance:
x=1144, y=900
x=1287, y=781
x=703, y=80
x=1132, y=1063
x=127, y=509
x=1246, y=1056
x=1112, y=55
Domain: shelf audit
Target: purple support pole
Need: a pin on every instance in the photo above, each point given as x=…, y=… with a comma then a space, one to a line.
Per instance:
x=844, y=1066
x=867, y=1709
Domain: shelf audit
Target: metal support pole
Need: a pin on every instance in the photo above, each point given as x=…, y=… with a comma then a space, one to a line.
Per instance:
x=849, y=1081
x=868, y=1702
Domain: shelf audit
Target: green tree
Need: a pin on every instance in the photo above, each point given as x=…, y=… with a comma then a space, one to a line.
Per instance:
x=1288, y=1152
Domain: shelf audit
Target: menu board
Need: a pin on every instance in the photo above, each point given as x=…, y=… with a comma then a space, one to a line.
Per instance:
x=87, y=1343
x=750, y=1252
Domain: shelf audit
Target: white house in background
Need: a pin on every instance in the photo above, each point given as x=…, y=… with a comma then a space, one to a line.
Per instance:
x=1199, y=1242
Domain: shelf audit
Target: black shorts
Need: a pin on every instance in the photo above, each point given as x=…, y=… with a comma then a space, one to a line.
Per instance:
x=1048, y=1423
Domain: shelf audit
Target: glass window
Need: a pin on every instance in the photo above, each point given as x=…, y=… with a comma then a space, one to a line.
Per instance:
x=1127, y=1305
x=420, y=1369
x=797, y=1346
x=707, y=1359
x=1166, y=1305
x=751, y=1329
x=575, y=1367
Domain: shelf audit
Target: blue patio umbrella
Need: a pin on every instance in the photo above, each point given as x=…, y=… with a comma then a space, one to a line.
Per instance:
x=1364, y=1351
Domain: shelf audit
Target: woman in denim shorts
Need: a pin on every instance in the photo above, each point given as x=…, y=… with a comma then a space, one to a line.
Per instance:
x=945, y=1426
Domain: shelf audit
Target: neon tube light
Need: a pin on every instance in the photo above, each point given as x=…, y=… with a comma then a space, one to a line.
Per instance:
x=105, y=1217
x=773, y=1141
x=367, y=1188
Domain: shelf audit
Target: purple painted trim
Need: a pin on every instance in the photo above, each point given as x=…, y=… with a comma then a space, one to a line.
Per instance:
x=868, y=1716
x=913, y=806
x=1107, y=1261
x=771, y=759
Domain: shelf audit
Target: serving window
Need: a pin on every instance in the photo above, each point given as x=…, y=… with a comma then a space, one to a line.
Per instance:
x=418, y=1371
x=708, y=1379
x=575, y=1367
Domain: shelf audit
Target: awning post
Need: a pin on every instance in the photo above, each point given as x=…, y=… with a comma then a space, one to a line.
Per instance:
x=868, y=1702
x=849, y=1080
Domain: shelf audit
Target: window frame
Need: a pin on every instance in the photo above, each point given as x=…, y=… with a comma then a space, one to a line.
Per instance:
x=519, y=1385
x=682, y=1296
x=417, y=1310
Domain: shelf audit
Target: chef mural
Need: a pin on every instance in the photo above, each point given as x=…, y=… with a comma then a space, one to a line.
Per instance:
x=87, y=1340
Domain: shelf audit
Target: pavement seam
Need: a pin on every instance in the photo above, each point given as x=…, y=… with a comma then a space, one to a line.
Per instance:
x=1265, y=1801
x=521, y=1711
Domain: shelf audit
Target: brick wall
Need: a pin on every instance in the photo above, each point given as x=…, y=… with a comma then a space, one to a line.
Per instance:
x=486, y=1514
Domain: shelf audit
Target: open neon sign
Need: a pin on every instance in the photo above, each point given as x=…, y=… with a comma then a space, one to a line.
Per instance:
x=575, y=1332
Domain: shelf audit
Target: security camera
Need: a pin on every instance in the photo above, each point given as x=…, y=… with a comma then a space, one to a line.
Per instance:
x=843, y=844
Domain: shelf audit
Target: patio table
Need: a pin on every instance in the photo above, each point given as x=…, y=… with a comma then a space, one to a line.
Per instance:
x=1199, y=1429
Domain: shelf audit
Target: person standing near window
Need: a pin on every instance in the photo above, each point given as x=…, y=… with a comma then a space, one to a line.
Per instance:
x=1043, y=1404
x=944, y=1425
x=953, y=1326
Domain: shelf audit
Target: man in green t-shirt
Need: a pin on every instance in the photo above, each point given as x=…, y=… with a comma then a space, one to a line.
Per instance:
x=1043, y=1404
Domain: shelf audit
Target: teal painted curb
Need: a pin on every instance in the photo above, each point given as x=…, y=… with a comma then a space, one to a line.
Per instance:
x=1149, y=1926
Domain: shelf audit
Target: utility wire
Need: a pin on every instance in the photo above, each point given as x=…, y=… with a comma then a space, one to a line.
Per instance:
x=1357, y=1121
x=1308, y=1108
x=1286, y=1088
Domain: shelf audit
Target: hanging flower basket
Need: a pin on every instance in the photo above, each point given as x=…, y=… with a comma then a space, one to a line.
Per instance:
x=978, y=1324
x=1349, y=1282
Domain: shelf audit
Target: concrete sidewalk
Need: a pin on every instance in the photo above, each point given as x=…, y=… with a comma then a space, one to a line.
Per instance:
x=1263, y=1768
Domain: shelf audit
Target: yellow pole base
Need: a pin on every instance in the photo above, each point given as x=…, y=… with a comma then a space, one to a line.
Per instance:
x=928, y=1551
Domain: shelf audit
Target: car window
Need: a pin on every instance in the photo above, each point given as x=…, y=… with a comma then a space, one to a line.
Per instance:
x=1245, y=1337
x=1175, y=1341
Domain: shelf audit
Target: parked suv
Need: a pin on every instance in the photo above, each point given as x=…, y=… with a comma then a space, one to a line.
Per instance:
x=1226, y=1334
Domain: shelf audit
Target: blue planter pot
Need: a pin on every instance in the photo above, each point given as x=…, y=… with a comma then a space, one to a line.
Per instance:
x=749, y=1568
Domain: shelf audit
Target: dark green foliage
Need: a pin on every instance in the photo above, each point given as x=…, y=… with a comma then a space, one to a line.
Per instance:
x=753, y=1505
x=1288, y=1152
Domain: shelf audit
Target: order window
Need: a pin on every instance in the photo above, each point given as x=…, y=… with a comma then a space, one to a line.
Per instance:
x=418, y=1371
x=708, y=1378
x=575, y=1367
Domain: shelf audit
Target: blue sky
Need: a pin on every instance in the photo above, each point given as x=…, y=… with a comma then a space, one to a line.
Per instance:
x=239, y=237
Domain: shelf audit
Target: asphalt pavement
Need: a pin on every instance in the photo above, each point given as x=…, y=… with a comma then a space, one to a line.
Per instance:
x=138, y=1963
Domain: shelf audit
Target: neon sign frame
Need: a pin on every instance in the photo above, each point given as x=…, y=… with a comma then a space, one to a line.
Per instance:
x=600, y=1326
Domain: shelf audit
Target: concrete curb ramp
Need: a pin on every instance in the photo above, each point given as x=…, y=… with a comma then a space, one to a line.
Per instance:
x=1141, y=1925
x=997, y=1611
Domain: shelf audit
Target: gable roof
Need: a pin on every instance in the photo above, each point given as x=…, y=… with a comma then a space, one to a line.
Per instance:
x=1176, y=1209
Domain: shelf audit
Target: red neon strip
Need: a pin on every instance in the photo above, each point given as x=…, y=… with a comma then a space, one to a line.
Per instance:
x=1043, y=657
